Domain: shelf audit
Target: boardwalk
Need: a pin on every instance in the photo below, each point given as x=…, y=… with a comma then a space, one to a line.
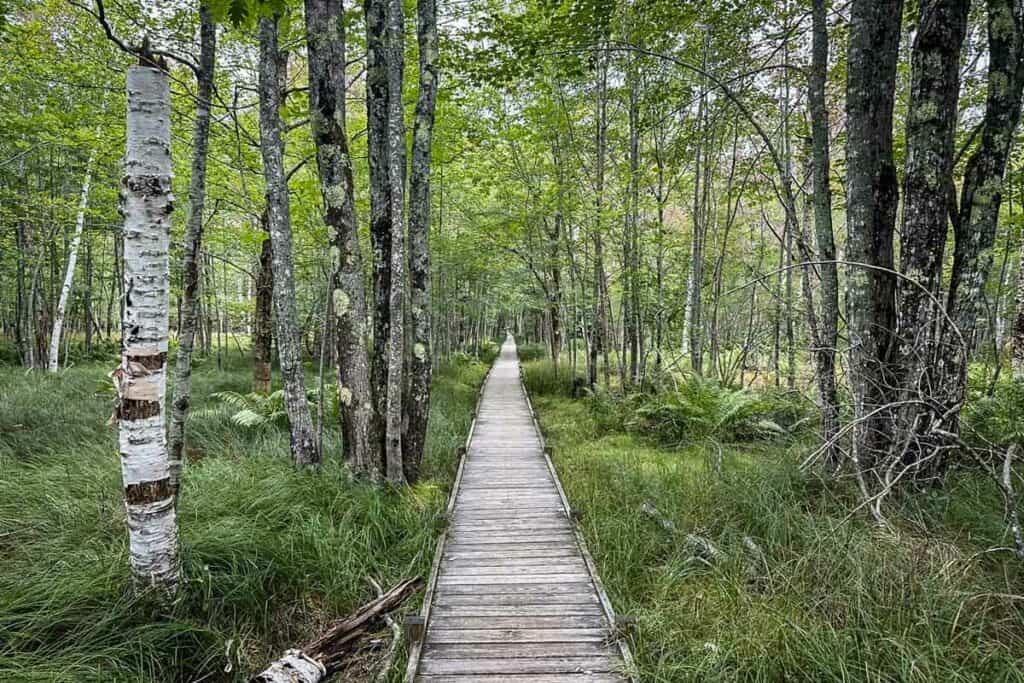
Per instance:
x=513, y=598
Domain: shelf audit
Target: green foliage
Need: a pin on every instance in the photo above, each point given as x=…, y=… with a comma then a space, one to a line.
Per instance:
x=997, y=418
x=531, y=352
x=270, y=553
x=798, y=590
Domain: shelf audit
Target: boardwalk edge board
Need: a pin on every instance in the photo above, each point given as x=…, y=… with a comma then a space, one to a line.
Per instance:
x=416, y=647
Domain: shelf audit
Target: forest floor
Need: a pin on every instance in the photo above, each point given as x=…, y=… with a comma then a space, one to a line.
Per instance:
x=270, y=554
x=752, y=571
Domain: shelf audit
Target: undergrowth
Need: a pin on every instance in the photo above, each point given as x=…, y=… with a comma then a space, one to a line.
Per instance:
x=270, y=554
x=797, y=588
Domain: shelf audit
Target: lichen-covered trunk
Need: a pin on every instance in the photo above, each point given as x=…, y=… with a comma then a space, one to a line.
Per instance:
x=981, y=193
x=1018, y=321
x=417, y=404
x=289, y=349
x=871, y=219
x=141, y=378
x=599, y=339
x=380, y=204
x=53, y=363
x=262, y=326
x=193, y=240
x=325, y=40
x=928, y=175
x=828, y=330
x=393, y=415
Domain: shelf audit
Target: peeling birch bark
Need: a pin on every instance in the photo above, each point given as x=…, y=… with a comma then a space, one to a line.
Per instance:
x=141, y=378
x=69, y=274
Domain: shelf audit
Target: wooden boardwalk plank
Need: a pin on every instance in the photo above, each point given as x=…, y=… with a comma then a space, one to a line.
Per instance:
x=513, y=597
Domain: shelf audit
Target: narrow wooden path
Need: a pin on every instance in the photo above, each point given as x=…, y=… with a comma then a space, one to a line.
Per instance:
x=514, y=596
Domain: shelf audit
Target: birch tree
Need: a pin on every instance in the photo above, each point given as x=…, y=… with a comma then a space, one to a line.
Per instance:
x=141, y=377
x=69, y=274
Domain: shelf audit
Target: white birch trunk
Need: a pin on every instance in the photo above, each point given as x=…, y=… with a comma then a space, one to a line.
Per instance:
x=69, y=275
x=141, y=378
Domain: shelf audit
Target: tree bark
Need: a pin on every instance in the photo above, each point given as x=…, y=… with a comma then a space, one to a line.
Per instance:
x=262, y=328
x=69, y=275
x=192, y=242
x=394, y=413
x=871, y=218
x=325, y=39
x=828, y=335
x=420, y=369
x=289, y=349
x=981, y=194
x=380, y=204
x=141, y=378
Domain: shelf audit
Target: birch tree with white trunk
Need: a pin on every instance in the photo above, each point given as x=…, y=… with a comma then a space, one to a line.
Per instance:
x=69, y=274
x=141, y=378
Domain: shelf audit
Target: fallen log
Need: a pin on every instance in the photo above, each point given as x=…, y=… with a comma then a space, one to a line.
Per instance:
x=325, y=655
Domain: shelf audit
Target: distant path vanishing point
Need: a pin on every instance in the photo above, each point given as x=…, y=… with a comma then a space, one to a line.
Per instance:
x=514, y=596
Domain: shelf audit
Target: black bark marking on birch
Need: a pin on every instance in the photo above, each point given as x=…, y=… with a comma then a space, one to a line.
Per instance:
x=148, y=492
x=136, y=409
x=153, y=361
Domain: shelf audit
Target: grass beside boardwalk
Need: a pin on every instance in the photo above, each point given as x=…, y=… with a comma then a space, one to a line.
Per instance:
x=799, y=590
x=270, y=554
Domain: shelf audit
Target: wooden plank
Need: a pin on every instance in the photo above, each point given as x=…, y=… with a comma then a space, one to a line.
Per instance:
x=535, y=590
x=526, y=678
x=511, y=650
x=516, y=599
x=518, y=665
x=520, y=579
x=524, y=623
x=517, y=635
x=582, y=610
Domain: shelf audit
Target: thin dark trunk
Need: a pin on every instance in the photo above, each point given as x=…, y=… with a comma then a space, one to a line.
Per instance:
x=828, y=337
x=193, y=239
x=262, y=326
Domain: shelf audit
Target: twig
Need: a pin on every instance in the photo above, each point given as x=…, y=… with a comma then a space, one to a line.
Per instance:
x=396, y=638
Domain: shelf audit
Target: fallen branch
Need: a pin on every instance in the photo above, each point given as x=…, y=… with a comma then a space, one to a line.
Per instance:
x=324, y=656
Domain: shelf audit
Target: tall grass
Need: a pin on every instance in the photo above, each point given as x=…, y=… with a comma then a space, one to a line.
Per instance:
x=799, y=589
x=270, y=554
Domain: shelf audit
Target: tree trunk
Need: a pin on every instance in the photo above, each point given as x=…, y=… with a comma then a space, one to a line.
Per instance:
x=828, y=335
x=289, y=349
x=981, y=194
x=418, y=402
x=380, y=203
x=394, y=414
x=871, y=217
x=141, y=377
x=192, y=242
x=262, y=328
x=325, y=39
x=69, y=274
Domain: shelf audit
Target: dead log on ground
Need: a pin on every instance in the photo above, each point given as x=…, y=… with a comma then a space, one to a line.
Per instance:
x=324, y=656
